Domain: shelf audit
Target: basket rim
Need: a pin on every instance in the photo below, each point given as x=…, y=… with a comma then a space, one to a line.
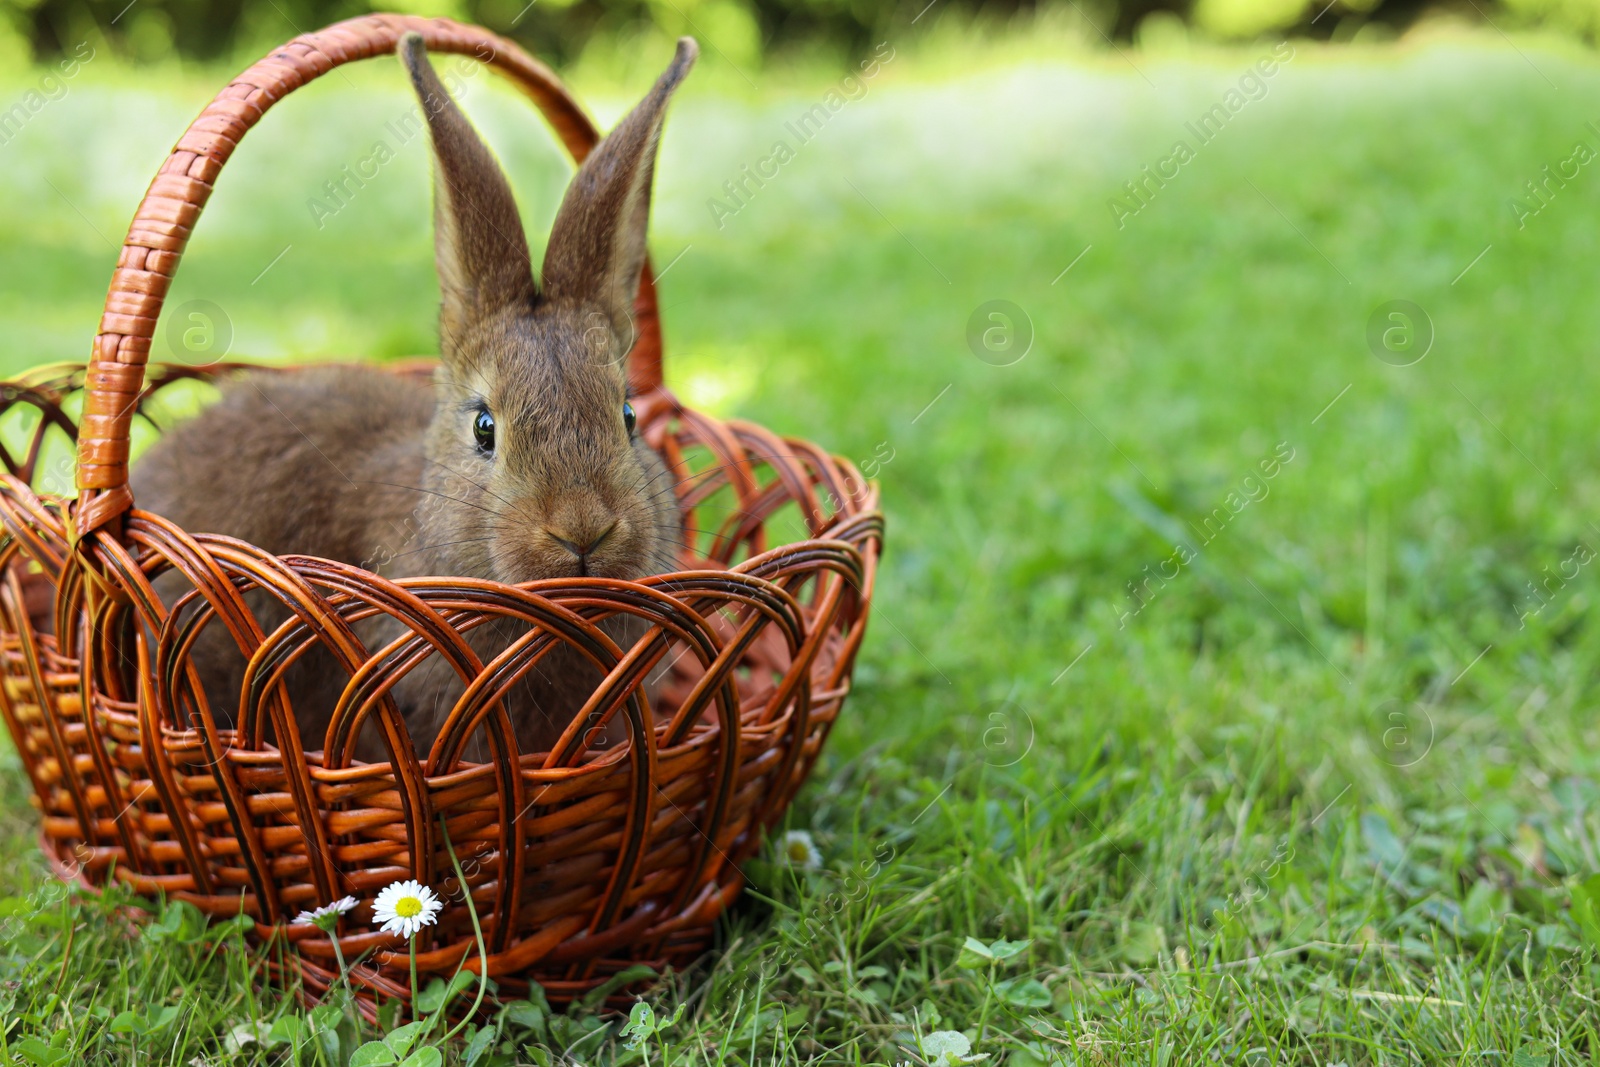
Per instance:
x=837, y=542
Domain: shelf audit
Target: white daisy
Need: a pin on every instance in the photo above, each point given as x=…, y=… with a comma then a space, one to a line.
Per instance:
x=798, y=850
x=406, y=907
x=327, y=916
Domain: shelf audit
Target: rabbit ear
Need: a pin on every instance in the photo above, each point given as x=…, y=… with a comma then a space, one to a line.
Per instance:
x=481, y=251
x=597, y=243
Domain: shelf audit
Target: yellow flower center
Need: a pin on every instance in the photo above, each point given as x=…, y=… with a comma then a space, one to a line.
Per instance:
x=406, y=907
x=797, y=851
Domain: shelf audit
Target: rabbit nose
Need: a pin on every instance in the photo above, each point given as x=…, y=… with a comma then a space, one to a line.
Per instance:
x=580, y=548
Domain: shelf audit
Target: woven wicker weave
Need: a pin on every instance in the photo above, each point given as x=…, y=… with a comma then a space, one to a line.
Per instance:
x=581, y=860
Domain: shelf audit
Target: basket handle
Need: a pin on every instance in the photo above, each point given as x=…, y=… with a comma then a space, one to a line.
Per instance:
x=173, y=203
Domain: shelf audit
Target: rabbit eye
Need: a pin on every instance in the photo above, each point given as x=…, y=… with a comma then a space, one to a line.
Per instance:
x=483, y=431
x=629, y=419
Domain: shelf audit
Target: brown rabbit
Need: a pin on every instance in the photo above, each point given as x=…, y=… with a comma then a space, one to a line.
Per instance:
x=520, y=463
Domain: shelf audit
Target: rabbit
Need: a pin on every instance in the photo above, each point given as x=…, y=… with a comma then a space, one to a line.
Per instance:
x=521, y=462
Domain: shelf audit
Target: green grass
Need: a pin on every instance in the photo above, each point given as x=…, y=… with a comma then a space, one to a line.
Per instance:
x=1324, y=799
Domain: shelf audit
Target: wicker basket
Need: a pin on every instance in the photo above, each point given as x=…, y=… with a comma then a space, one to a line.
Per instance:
x=581, y=860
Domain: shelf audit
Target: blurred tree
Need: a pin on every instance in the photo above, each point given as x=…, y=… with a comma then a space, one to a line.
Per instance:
x=742, y=30
x=1581, y=17
x=557, y=29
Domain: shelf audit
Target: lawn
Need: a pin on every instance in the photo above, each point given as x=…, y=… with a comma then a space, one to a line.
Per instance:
x=1241, y=671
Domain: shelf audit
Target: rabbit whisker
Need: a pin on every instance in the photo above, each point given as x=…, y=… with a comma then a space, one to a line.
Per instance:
x=442, y=496
x=470, y=481
x=445, y=544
